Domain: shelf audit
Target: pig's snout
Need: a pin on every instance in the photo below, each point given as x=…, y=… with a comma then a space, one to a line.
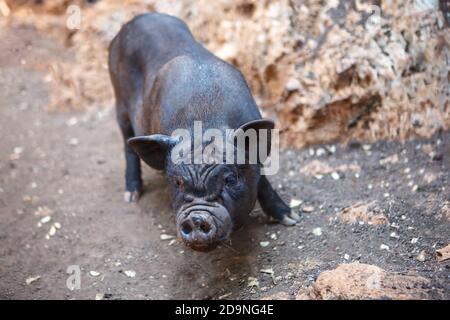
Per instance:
x=203, y=227
x=197, y=222
x=198, y=230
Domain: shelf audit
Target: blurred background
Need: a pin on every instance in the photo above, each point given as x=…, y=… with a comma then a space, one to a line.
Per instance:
x=360, y=90
x=325, y=70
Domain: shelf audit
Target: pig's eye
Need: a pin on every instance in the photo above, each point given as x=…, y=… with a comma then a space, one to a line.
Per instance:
x=178, y=182
x=231, y=180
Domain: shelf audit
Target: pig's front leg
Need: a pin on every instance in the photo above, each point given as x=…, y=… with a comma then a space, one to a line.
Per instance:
x=133, y=181
x=273, y=205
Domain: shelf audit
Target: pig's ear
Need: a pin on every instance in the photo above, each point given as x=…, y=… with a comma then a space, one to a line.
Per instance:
x=153, y=149
x=258, y=124
x=266, y=124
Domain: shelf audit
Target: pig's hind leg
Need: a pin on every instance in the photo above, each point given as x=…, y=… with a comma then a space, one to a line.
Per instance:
x=273, y=205
x=133, y=180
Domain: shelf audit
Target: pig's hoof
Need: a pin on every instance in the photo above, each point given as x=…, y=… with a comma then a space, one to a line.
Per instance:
x=291, y=219
x=295, y=216
x=131, y=196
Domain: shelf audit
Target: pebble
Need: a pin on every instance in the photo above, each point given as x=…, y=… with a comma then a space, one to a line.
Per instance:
x=99, y=296
x=45, y=219
x=73, y=141
x=166, y=237
x=320, y=152
x=30, y=280
x=317, y=231
x=18, y=150
x=52, y=231
x=384, y=247
x=252, y=282
x=295, y=203
x=308, y=209
x=414, y=240
x=422, y=256
x=130, y=273
x=394, y=235
x=335, y=176
x=331, y=149
x=267, y=271
x=346, y=257
x=264, y=243
x=94, y=273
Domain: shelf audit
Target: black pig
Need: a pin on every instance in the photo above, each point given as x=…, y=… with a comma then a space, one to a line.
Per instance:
x=165, y=80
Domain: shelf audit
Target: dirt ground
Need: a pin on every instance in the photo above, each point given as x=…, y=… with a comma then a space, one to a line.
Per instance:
x=70, y=166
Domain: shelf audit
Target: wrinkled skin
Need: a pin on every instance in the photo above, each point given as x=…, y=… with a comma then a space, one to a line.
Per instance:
x=217, y=194
x=164, y=80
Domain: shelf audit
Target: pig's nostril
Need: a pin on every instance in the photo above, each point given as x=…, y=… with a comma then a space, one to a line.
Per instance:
x=186, y=228
x=205, y=227
x=201, y=223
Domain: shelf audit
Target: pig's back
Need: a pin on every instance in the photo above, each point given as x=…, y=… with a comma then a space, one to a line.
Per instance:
x=191, y=83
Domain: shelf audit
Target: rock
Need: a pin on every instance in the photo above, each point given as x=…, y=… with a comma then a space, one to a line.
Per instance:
x=130, y=273
x=317, y=232
x=335, y=176
x=295, y=203
x=45, y=219
x=30, y=280
x=73, y=141
x=358, y=77
x=363, y=281
x=94, y=273
x=443, y=253
x=99, y=296
x=166, y=237
x=308, y=209
x=264, y=243
x=394, y=235
x=267, y=271
x=421, y=256
x=52, y=231
x=252, y=282
x=446, y=210
x=364, y=212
